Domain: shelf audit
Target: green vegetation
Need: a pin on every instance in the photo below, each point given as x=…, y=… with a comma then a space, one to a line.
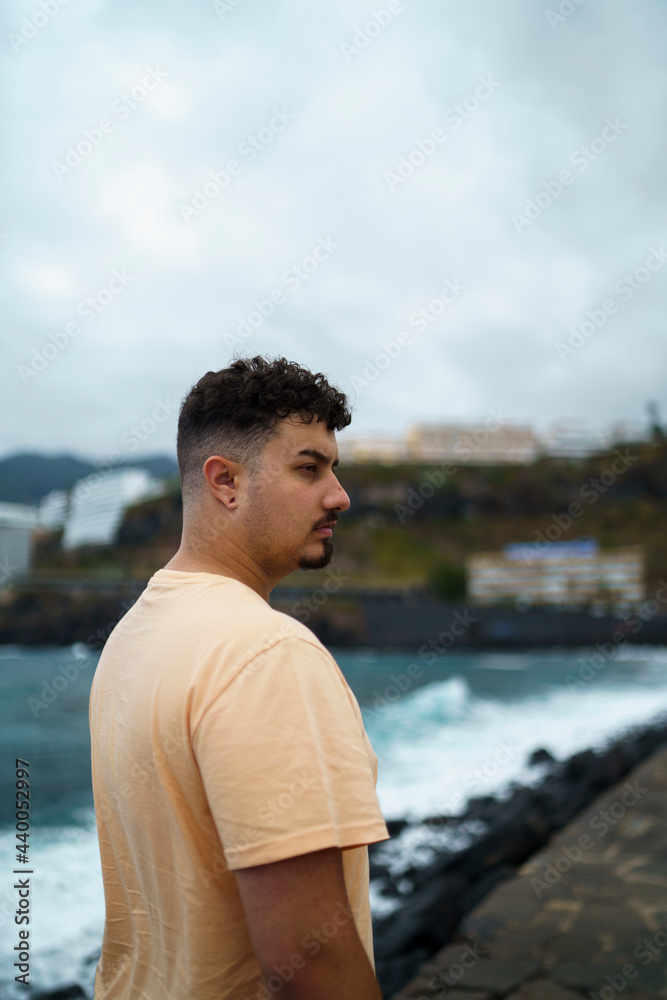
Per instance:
x=477, y=509
x=448, y=581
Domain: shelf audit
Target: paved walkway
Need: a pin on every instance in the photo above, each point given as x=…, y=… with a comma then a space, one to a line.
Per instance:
x=585, y=917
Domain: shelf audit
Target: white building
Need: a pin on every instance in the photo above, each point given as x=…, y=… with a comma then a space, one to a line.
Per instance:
x=487, y=442
x=572, y=573
x=481, y=443
x=98, y=501
x=371, y=449
x=17, y=523
x=574, y=438
x=52, y=510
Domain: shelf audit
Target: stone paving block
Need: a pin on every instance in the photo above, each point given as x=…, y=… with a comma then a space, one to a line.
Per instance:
x=463, y=952
x=499, y=977
x=516, y=888
x=464, y=995
x=480, y=928
x=416, y=990
x=542, y=989
x=570, y=947
x=585, y=930
x=622, y=977
x=527, y=941
x=594, y=891
x=450, y=967
x=620, y=921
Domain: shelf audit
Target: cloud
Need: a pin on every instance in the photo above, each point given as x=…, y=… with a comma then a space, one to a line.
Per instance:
x=345, y=124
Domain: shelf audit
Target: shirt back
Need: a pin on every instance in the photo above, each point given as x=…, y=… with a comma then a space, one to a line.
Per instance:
x=223, y=735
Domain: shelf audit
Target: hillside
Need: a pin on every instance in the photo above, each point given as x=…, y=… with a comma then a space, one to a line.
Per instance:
x=29, y=476
x=403, y=528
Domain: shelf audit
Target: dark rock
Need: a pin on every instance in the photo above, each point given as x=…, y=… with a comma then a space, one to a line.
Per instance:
x=540, y=756
x=394, y=826
x=484, y=808
x=72, y=992
x=483, y=886
x=454, y=883
x=393, y=973
x=580, y=765
x=427, y=919
x=500, y=977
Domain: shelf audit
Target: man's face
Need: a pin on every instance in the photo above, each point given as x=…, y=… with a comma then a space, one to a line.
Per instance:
x=294, y=493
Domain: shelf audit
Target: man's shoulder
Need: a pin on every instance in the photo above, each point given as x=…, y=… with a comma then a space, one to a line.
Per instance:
x=272, y=627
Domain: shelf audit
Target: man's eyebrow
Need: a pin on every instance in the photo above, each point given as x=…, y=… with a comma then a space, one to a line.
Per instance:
x=314, y=453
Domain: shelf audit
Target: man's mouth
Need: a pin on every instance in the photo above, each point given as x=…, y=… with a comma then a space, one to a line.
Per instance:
x=326, y=529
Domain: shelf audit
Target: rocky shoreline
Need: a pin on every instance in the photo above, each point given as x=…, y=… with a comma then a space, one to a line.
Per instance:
x=62, y=612
x=436, y=896
x=499, y=834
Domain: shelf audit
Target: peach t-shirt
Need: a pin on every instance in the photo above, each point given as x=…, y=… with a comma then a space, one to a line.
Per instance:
x=223, y=735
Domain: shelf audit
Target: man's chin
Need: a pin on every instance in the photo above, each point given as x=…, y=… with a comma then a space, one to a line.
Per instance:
x=318, y=562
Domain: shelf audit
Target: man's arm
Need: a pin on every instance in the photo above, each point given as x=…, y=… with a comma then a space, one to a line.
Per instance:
x=302, y=930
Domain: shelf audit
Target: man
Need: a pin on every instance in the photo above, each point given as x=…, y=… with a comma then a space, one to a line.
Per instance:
x=234, y=782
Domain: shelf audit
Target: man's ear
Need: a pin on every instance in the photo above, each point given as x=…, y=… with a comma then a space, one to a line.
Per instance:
x=222, y=478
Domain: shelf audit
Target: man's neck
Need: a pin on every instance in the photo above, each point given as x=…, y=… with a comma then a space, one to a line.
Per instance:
x=185, y=561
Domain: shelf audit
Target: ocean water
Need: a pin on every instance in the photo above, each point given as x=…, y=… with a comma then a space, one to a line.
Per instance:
x=443, y=732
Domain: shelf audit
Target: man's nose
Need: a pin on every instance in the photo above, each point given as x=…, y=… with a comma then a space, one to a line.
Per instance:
x=342, y=500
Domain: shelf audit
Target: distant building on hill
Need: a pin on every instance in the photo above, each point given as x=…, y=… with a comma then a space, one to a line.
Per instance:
x=53, y=509
x=481, y=443
x=574, y=573
x=488, y=441
x=97, y=503
x=485, y=442
x=366, y=450
x=17, y=523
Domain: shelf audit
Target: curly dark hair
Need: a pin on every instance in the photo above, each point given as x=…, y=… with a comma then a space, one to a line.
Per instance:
x=235, y=412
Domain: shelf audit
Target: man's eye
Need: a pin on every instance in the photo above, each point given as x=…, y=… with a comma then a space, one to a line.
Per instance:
x=313, y=467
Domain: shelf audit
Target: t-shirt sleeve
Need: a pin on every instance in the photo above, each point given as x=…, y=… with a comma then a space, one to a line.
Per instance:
x=286, y=764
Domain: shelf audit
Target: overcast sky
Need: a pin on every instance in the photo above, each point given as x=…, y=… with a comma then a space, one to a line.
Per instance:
x=403, y=140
